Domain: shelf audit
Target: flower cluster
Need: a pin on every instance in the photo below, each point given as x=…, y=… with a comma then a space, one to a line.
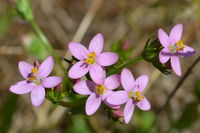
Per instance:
x=97, y=86
x=101, y=88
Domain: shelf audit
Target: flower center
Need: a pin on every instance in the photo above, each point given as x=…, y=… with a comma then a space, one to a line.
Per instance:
x=91, y=58
x=100, y=89
x=179, y=46
x=32, y=76
x=135, y=95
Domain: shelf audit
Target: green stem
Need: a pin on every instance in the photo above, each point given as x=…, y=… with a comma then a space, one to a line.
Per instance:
x=45, y=41
x=49, y=47
x=72, y=104
x=126, y=64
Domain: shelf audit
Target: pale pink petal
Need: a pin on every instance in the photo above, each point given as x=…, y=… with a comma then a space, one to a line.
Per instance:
x=141, y=83
x=127, y=79
x=46, y=67
x=144, y=104
x=163, y=38
x=84, y=87
x=164, y=55
x=117, y=98
x=112, y=82
x=97, y=73
x=128, y=111
x=25, y=68
x=96, y=44
x=187, y=51
x=21, y=87
x=92, y=104
x=105, y=95
x=175, y=63
x=78, y=70
x=176, y=33
x=107, y=59
x=37, y=95
x=112, y=106
x=78, y=50
x=51, y=82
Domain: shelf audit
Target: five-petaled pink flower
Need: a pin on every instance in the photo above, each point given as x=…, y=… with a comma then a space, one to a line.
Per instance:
x=97, y=92
x=173, y=47
x=36, y=80
x=131, y=95
x=91, y=59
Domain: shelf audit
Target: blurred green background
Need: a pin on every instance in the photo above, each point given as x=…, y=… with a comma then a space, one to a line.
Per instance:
x=126, y=26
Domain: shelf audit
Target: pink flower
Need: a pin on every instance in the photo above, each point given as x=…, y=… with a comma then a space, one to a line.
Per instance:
x=91, y=59
x=131, y=95
x=36, y=80
x=97, y=92
x=173, y=47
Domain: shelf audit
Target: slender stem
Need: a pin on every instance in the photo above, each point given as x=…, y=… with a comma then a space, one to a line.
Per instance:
x=45, y=41
x=126, y=64
x=176, y=88
x=72, y=104
x=181, y=81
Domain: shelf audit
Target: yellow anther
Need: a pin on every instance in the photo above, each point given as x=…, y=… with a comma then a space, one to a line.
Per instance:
x=180, y=46
x=31, y=78
x=91, y=58
x=34, y=70
x=100, y=89
x=138, y=96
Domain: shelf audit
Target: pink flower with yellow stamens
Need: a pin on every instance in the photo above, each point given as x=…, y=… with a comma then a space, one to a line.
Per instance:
x=36, y=79
x=173, y=47
x=91, y=59
x=131, y=95
x=97, y=92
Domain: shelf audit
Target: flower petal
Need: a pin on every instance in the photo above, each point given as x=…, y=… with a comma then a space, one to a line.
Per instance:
x=84, y=87
x=97, y=74
x=117, y=98
x=46, y=67
x=96, y=44
x=175, y=63
x=128, y=111
x=107, y=58
x=163, y=38
x=112, y=82
x=78, y=50
x=144, y=104
x=24, y=68
x=176, y=33
x=164, y=55
x=187, y=51
x=141, y=82
x=37, y=95
x=78, y=70
x=105, y=95
x=92, y=104
x=127, y=79
x=21, y=87
x=51, y=82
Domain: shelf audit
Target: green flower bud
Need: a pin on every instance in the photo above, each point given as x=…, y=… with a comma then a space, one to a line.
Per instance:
x=24, y=9
x=151, y=54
